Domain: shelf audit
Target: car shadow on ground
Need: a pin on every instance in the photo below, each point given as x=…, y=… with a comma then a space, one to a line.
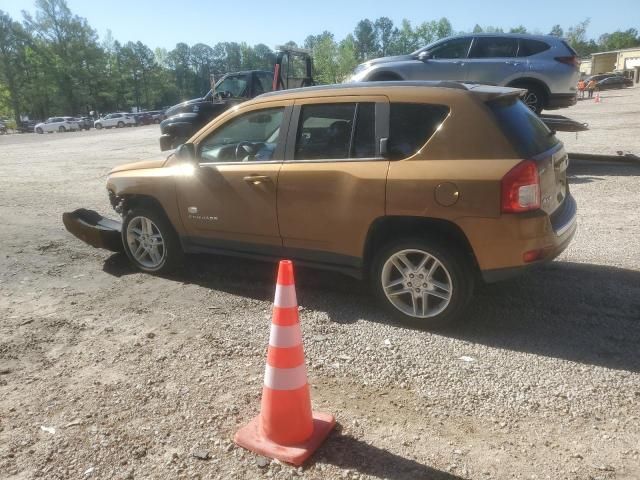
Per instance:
x=347, y=452
x=579, y=312
x=582, y=171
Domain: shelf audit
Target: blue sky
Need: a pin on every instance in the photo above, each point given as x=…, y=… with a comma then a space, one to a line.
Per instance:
x=163, y=23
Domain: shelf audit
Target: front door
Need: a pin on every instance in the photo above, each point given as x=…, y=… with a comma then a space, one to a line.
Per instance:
x=332, y=183
x=230, y=199
x=443, y=61
x=494, y=61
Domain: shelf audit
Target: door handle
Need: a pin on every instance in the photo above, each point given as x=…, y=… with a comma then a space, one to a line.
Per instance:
x=257, y=179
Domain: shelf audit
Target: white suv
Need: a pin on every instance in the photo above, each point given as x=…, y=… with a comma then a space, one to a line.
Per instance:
x=117, y=120
x=57, y=124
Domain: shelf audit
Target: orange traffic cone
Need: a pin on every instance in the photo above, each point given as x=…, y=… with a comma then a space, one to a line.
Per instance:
x=286, y=428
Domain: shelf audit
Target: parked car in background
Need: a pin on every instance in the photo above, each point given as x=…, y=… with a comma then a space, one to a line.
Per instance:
x=143, y=118
x=85, y=123
x=544, y=65
x=3, y=127
x=26, y=126
x=117, y=120
x=420, y=213
x=157, y=115
x=57, y=124
x=613, y=82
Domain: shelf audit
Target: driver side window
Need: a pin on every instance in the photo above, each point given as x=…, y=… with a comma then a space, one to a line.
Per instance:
x=252, y=137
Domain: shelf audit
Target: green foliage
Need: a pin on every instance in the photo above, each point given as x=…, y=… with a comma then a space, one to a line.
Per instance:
x=618, y=39
x=54, y=64
x=556, y=31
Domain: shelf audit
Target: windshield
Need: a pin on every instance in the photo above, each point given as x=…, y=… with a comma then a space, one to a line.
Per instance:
x=231, y=86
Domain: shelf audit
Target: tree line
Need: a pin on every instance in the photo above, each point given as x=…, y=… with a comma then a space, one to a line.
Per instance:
x=54, y=63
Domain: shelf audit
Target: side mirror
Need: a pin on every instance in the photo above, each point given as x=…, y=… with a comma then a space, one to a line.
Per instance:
x=424, y=56
x=186, y=152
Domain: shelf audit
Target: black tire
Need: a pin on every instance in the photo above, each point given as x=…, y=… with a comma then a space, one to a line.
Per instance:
x=98, y=126
x=172, y=255
x=535, y=98
x=39, y=130
x=120, y=124
x=454, y=262
x=61, y=129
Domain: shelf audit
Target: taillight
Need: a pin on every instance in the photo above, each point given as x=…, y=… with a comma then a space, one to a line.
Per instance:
x=521, y=188
x=572, y=60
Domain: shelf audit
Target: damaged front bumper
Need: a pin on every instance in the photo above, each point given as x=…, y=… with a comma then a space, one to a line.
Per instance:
x=94, y=229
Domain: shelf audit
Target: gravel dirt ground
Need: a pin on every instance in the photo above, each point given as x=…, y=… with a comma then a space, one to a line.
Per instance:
x=110, y=373
x=614, y=123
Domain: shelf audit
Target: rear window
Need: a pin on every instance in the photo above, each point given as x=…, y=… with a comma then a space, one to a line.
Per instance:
x=570, y=48
x=531, y=47
x=411, y=125
x=526, y=132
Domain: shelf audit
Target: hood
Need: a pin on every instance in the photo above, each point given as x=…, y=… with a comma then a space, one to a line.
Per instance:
x=139, y=165
x=188, y=117
x=186, y=106
x=396, y=58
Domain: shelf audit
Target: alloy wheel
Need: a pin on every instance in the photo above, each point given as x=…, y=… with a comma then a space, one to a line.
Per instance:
x=531, y=101
x=145, y=242
x=416, y=283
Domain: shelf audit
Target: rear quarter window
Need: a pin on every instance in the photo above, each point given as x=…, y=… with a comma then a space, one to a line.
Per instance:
x=526, y=132
x=411, y=125
x=531, y=47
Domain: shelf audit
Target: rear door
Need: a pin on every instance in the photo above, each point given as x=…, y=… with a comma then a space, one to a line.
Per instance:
x=493, y=60
x=332, y=183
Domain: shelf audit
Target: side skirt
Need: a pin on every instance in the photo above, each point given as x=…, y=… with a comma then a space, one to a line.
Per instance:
x=345, y=264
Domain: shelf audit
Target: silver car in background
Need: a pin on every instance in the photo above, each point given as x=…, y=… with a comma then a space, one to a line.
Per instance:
x=544, y=65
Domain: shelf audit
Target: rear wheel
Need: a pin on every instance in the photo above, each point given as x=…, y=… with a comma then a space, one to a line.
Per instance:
x=150, y=241
x=61, y=129
x=535, y=98
x=422, y=282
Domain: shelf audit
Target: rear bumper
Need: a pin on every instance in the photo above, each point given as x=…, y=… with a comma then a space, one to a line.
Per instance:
x=500, y=255
x=561, y=100
x=94, y=229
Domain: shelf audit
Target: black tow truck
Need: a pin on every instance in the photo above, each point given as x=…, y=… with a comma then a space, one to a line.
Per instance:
x=292, y=69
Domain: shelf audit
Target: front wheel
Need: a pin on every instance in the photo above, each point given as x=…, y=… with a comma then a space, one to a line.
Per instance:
x=150, y=241
x=39, y=130
x=61, y=129
x=120, y=124
x=422, y=283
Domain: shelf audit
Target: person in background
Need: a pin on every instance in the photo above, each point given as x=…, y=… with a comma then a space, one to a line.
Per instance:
x=581, y=87
x=591, y=86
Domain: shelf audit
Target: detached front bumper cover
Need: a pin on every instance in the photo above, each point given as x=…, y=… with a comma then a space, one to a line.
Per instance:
x=94, y=229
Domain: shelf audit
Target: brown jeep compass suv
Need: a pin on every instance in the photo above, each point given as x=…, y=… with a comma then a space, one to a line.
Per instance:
x=423, y=188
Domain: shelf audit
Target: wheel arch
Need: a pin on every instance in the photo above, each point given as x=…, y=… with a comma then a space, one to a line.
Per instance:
x=389, y=228
x=384, y=76
x=521, y=82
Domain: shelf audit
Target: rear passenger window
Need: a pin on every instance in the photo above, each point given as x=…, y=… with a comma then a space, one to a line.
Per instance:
x=531, y=47
x=411, y=125
x=494, y=47
x=327, y=131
